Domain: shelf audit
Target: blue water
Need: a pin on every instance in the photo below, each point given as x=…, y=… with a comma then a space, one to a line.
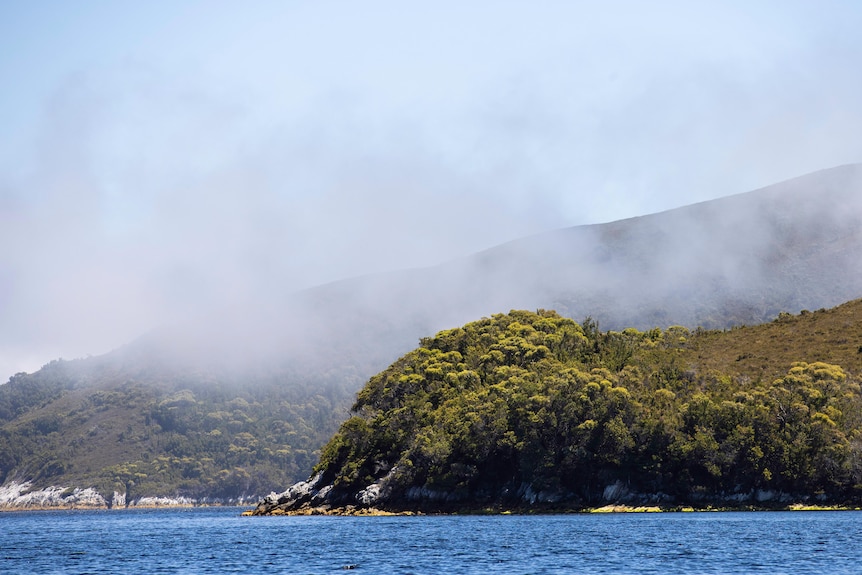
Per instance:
x=221, y=541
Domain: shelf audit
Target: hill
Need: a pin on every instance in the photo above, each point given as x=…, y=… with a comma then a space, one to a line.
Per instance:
x=117, y=429
x=532, y=410
x=143, y=412
x=737, y=260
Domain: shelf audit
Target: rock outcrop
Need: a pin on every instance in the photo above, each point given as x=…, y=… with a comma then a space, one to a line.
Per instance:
x=17, y=496
x=316, y=497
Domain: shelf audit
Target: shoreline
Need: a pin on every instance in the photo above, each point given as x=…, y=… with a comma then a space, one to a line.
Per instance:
x=41, y=508
x=351, y=511
x=21, y=496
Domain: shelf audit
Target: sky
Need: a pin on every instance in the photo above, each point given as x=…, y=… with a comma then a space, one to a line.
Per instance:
x=165, y=158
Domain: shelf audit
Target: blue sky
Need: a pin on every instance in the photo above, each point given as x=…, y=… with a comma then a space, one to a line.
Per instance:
x=157, y=158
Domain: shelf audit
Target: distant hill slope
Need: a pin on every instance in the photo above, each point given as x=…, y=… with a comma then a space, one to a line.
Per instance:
x=737, y=260
x=130, y=427
x=531, y=410
x=296, y=363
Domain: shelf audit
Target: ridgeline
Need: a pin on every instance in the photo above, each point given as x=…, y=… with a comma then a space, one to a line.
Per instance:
x=533, y=411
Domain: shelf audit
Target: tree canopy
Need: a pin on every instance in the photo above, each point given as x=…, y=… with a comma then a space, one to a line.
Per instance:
x=536, y=407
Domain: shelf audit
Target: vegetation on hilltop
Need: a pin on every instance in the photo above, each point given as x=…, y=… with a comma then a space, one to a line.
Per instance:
x=533, y=407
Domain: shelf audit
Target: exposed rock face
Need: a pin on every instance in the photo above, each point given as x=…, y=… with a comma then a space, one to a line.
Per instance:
x=18, y=496
x=316, y=497
x=311, y=493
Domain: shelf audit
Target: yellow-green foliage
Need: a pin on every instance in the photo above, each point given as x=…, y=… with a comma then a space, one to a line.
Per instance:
x=534, y=398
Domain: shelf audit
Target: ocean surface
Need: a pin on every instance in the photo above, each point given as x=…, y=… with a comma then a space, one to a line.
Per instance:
x=219, y=540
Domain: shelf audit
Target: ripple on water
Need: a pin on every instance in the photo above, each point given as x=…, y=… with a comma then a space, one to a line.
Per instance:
x=203, y=541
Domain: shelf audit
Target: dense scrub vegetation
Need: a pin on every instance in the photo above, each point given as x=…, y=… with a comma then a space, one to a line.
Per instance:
x=145, y=432
x=536, y=407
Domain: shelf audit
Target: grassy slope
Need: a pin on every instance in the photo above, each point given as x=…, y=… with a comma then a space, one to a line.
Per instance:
x=765, y=351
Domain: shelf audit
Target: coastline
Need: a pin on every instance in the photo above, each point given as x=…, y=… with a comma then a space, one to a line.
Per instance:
x=351, y=511
x=41, y=508
x=21, y=496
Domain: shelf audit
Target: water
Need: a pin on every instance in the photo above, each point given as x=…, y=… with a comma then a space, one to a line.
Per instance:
x=193, y=541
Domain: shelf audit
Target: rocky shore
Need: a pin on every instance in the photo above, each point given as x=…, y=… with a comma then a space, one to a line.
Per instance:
x=19, y=496
x=16, y=496
x=317, y=497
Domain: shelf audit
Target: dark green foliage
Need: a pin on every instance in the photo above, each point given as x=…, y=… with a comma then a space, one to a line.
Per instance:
x=534, y=399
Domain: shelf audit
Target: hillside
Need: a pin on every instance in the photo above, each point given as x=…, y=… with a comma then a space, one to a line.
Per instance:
x=532, y=410
x=737, y=260
x=240, y=402
x=126, y=428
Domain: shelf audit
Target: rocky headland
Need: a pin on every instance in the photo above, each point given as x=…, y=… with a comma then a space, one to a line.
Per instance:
x=531, y=412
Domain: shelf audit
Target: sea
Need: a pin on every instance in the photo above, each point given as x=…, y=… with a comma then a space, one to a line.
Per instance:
x=220, y=540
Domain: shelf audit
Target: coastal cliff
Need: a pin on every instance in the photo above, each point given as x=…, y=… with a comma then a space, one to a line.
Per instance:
x=24, y=496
